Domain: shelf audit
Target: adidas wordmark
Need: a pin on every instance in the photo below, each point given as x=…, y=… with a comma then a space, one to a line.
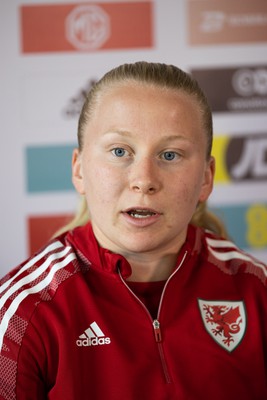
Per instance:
x=93, y=336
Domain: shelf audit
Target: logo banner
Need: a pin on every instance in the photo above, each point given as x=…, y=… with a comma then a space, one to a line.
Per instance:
x=225, y=22
x=242, y=89
x=86, y=26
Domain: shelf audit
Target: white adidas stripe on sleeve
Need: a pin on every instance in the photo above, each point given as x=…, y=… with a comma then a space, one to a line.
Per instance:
x=29, y=264
x=35, y=289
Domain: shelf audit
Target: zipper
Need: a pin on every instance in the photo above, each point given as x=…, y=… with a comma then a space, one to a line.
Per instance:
x=156, y=323
x=158, y=338
x=157, y=331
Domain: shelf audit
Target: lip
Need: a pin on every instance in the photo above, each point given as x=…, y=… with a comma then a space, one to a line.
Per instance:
x=144, y=221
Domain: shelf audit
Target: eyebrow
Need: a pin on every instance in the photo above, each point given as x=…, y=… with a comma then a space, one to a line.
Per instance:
x=163, y=138
x=118, y=132
x=175, y=137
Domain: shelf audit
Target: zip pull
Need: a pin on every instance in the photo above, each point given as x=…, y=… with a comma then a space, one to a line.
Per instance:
x=157, y=331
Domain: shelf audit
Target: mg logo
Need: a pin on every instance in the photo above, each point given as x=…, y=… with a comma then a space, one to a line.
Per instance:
x=247, y=82
x=87, y=27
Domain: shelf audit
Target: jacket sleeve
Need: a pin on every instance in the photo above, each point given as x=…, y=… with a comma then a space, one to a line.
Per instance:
x=22, y=367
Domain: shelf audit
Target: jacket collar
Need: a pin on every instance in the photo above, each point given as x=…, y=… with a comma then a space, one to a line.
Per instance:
x=85, y=243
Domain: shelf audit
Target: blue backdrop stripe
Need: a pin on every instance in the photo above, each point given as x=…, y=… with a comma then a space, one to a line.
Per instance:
x=246, y=224
x=49, y=168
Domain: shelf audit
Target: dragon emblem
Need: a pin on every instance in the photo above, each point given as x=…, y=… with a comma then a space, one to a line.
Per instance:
x=225, y=321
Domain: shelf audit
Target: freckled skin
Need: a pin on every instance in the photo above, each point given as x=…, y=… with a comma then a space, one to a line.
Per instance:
x=163, y=167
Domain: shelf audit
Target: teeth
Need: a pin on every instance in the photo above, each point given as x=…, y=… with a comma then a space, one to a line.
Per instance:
x=141, y=213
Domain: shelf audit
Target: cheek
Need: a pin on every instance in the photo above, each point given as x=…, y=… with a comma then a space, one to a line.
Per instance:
x=186, y=191
x=180, y=187
x=102, y=183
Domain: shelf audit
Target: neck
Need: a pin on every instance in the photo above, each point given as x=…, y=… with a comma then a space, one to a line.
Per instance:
x=147, y=269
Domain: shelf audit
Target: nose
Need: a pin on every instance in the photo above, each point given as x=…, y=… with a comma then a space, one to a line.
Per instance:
x=144, y=177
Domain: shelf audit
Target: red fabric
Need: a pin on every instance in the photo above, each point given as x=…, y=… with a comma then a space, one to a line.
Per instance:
x=149, y=293
x=72, y=329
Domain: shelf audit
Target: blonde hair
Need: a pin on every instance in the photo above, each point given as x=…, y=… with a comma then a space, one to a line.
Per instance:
x=166, y=77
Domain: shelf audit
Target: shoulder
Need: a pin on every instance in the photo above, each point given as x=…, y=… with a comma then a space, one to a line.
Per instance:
x=231, y=259
x=32, y=282
x=38, y=271
x=27, y=286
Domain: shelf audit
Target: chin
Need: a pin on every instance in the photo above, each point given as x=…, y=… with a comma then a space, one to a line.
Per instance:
x=138, y=247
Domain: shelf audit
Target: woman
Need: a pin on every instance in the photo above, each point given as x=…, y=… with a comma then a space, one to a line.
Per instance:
x=144, y=301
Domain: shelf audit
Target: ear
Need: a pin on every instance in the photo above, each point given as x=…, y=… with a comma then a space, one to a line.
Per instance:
x=77, y=177
x=208, y=180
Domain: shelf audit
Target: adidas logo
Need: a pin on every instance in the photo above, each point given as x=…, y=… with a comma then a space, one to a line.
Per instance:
x=93, y=336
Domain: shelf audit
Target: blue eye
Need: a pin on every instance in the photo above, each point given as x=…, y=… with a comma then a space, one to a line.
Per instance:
x=118, y=152
x=169, y=155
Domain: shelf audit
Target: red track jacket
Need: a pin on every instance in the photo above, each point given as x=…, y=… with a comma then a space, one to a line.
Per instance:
x=71, y=328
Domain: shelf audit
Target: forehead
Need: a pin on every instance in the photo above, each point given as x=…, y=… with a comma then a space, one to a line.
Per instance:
x=146, y=112
x=139, y=89
x=132, y=95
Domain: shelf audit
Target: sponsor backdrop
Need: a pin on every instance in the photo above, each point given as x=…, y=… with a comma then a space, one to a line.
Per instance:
x=53, y=51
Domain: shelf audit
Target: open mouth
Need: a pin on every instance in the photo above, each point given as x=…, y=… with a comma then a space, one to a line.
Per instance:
x=140, y=213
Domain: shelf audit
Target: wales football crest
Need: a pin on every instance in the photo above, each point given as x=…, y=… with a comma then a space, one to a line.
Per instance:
x=225, y=321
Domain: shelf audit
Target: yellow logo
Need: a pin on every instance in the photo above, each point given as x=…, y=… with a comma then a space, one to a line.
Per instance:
x=220, y=144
